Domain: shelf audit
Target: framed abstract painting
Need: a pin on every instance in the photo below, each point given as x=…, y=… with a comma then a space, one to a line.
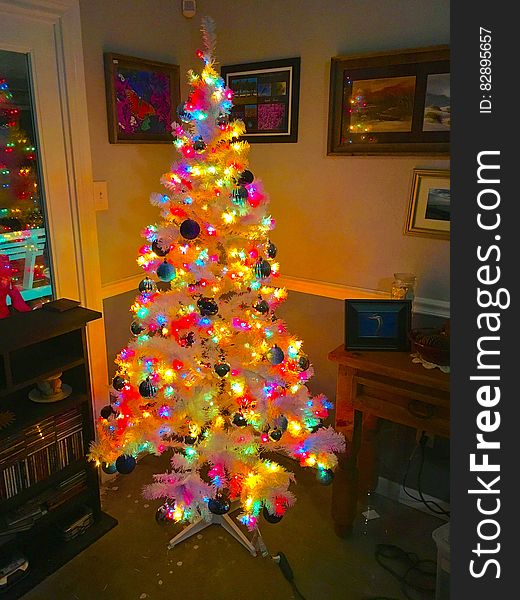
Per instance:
x=142, y=96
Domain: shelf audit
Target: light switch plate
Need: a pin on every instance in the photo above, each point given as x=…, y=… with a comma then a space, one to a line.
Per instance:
x=100, y=195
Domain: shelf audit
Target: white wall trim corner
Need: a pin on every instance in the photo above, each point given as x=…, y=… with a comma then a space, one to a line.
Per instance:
x=336, y=291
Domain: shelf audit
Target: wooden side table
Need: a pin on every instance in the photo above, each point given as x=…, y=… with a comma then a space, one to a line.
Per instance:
x=376, y=385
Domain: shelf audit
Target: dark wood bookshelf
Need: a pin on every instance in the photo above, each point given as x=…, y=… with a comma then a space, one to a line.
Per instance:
x=53, y=475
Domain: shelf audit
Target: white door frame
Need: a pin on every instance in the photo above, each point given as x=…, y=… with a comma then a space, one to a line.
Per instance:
x=71, y=215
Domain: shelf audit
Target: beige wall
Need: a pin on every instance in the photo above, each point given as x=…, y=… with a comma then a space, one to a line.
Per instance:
x=339, y=219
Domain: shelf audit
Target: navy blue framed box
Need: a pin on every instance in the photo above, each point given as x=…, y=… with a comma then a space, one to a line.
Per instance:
x=378, y=324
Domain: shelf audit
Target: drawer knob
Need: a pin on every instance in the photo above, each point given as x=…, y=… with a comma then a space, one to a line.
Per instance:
x=421, y=410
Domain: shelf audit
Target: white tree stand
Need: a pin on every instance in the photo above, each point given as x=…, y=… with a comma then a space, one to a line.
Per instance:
x=225, y=521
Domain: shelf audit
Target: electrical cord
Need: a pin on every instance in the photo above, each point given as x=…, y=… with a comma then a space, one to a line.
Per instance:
x=287, y=572
x=431, y=505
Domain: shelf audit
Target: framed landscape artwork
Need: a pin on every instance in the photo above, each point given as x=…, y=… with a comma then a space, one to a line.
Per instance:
x=392, y=103
x=142, y=96
x=266, y=98
x=429, y=212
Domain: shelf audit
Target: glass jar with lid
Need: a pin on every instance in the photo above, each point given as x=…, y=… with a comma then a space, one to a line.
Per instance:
x=403, y=286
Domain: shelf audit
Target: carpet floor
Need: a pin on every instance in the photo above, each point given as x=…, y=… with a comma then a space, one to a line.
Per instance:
x=132, y=561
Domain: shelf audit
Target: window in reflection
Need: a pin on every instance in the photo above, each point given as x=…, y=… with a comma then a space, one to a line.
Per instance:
x=25, y=278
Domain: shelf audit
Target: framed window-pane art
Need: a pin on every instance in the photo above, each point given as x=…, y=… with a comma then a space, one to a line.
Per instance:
x=266, y=98
x=392, y=103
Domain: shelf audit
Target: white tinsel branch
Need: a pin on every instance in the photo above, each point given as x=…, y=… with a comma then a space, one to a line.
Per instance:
x=209, y=37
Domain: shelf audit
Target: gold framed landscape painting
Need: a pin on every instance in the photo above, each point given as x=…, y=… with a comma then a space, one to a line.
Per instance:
x=429, y=209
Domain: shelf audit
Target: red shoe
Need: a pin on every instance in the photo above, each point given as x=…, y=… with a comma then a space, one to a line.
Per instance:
x=4, y=309
x=17, y=301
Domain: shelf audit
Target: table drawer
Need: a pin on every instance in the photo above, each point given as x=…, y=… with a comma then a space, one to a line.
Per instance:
x=421, y=408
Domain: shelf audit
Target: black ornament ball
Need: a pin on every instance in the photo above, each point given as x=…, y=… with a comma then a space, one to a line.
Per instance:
x=262, y=268
x=190, y=229
x=275, y=355
x=303, y=363
x=239, y=196
x=161, y=515
x=262, y=307
x=108, y=468
x=199, y=145
x=218, y=505
x=106, y=411
x=159, y=249
x=125, y=464
x=188, y=340
x=325, y=476
x=222, y=120
x=118, y=383
x=269, y=517
x=239, y=420
x=190, y=440
x=136, y=328
x=166, y=271
x=207, y=307
x=318, y=425
x=222, y=369
x=271, y=250
x=147, y=389
x=245, y=177
x=147, y=285
x=275, y=435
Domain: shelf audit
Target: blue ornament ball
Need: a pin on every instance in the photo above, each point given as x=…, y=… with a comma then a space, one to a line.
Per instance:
x=108, y=468
x=183, y=114
x=275, y=355
x=325, y=476
x=281, y=422
x=239, y=196
x=207, y=307
x=166, y=271
x=190, y=229
x=125, y=464
x=218, y=505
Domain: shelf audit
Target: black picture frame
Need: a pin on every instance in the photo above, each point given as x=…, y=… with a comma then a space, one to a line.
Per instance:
x=390, y=103
x=266, y=93
x=367, y=329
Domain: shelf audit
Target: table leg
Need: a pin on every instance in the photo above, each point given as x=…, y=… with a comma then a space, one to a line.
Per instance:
x=367, y=458
x=345, y=485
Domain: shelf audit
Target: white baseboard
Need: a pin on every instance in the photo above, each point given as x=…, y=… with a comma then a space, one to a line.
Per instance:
x=394, y=491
